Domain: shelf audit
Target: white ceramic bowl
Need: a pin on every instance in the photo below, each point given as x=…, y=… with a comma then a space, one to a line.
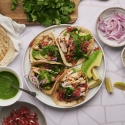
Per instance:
x=107, y=13
x=5, y=111
x=123, y=56
x=17, y=96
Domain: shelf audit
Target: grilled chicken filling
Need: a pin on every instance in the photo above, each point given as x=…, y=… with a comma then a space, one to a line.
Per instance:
x=72, y=86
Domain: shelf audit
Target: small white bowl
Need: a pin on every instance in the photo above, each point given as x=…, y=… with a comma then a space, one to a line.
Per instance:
x=5, y=111
x=107, y=13
x=19, y=93
x=123, y=56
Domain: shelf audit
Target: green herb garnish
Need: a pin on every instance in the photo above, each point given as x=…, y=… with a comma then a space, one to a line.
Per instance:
x=47, y=12
x=14, y=4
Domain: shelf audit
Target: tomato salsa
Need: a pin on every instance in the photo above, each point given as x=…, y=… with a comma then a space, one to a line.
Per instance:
x=6, y=90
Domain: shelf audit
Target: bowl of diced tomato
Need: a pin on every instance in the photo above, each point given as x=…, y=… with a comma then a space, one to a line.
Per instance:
x=22, y=113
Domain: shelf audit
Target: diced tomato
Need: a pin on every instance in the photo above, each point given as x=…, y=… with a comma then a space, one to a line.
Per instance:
x=68, y=58
x=23, y=116
x=76, y=93
x=73, y=62
x=85, y=46
x=69, y=29
x=74, y=85
x=96, y=48
x=31, y=44
x=60, y=95
x=44, y=44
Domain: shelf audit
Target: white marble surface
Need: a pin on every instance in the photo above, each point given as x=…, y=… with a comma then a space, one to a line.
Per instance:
x=103, y=108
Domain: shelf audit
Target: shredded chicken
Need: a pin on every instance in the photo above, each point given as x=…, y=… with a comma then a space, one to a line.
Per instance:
x=75, y=75
x=36, y=70
x=36, y=47
x=63, y=46
x=67, y=36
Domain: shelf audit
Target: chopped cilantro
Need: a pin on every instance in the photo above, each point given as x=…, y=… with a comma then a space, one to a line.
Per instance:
x=87, y=37
x=14, y=4
x=69, y=90
x=45, y=75
x=78, y=40
x=51, y=50
x=47, y=12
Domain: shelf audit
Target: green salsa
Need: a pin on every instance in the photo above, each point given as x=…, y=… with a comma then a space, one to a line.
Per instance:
x=6, y=90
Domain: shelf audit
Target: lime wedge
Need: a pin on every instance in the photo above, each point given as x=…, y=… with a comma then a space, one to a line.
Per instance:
x=93, y=83
x=108, y=85
x=119, y=85
x=95, y=74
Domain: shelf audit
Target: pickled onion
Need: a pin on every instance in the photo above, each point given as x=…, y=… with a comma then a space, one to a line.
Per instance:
x=113, y=27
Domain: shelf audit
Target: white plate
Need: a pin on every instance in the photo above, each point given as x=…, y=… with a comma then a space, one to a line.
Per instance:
x=47, y=99
x=107, y=13
x=5, y=111
x=123, y=56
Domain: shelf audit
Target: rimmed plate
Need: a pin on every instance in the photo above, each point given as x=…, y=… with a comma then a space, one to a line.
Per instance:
x=47, y=99
x=5, y=111
x=123, y=56
x=107, y=14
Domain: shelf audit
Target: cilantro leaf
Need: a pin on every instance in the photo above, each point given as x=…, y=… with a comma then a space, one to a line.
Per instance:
x=14, y=4
x=47, y=12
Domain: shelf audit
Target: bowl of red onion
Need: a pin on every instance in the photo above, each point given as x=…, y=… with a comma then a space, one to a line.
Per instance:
x=110, y=26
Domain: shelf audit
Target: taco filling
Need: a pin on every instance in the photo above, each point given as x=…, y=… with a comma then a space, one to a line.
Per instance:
x=74, y=43
x=43, y=76
x=43, y=48
x=49, y=53
x=73, y=86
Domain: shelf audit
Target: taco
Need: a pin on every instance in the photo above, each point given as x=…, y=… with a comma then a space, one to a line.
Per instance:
x=75, y=45
x=44, y=49
x=45, y=75
x=7, y=49
x=71, y=88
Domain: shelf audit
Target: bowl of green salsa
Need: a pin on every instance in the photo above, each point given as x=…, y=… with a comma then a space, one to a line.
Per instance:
x=9, y=94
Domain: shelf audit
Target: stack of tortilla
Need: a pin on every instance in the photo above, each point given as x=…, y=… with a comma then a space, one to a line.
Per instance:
x=6, y=47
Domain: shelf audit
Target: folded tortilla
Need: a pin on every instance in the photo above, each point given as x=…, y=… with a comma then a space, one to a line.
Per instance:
x=45, y=75
x=64, y=46
x=7, y=49
x=71, y=88
x=43, y=40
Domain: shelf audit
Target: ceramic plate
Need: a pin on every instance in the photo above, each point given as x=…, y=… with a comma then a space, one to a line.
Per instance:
x=108, y=13
x=47, y=99
x=8, y=109
x=123, y=56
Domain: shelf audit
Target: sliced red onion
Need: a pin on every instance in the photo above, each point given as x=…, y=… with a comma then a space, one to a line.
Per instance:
x=42, y=81
x=34, y=80
x=54, y=59
x=113, y=27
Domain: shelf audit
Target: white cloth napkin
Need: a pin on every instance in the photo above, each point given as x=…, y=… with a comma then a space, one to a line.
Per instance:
x=14, y=30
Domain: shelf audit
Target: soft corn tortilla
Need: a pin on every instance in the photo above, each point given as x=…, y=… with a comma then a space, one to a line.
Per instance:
x=64, y=103
x=35, y=42
x=6, y=47
x=47, y=92
x=90, y=47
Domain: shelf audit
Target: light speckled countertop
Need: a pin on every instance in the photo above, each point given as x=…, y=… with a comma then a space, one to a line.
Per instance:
x=103, y=108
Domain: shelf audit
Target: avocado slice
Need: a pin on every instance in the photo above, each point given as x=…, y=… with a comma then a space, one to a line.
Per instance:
x=35, y=54
x=93, y=60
